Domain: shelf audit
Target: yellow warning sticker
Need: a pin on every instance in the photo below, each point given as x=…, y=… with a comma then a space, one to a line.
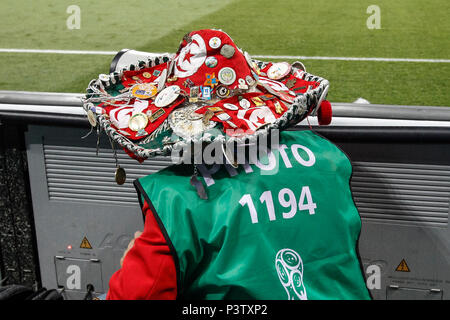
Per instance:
x=85, y=244
x=403, y=267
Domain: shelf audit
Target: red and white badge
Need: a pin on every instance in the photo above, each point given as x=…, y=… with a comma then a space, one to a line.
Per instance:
x=279, y=70
x=272, y=86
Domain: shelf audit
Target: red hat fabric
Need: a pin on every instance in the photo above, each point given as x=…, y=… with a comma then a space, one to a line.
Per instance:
x=201, y=57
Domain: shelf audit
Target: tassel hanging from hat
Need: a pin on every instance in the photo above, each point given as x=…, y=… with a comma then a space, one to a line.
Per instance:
x=198, y=185
x=88, y=134
x=91, y=118
x=120, y=174
x=98, y=141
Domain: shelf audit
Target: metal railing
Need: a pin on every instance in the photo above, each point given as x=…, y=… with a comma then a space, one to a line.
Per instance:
x=65, y=109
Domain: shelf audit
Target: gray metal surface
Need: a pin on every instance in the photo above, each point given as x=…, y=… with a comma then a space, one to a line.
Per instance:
x=75, y=274
x=402, y=192
x=41, y=98
x=381, y=111
x=64, y=219
x=397, y=293
x=66, y=103
x=76, y=173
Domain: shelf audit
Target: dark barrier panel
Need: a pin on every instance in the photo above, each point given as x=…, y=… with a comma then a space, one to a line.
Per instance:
x=18, y=254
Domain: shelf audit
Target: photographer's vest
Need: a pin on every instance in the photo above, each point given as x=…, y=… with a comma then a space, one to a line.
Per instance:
x=283, y=228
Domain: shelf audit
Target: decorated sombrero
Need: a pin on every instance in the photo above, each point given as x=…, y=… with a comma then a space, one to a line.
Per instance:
x=209, y=89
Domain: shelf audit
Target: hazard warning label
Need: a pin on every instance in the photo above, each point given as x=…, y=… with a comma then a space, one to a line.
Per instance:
x=85, y=244
x=403, y=266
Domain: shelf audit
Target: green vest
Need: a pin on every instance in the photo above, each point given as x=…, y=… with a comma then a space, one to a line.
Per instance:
x=283, y=228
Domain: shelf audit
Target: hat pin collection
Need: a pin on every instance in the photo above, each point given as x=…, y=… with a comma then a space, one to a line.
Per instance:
x=120, y=175
x=163, y=92
x=98, y=94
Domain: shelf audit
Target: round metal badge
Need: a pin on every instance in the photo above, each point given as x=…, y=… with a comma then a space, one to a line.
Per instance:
x=211, y=62
x=120, y=176
x=147, y=75
x=138, y=121
x=144, y=91
x=227, y=51
x=104, y=80
x=215, y=42
x=227, y=75
x=222, y=91
x=279, y=70
x=186, y=123
x=167, y=96
x=104, y=77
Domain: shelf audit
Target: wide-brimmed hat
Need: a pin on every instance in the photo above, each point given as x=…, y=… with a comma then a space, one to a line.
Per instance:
x=209, y=90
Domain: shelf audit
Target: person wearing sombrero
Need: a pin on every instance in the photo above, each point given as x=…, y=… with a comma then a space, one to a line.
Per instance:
x=280, y=225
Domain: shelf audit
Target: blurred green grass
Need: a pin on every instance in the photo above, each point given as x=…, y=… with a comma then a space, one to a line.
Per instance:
x=409, y=29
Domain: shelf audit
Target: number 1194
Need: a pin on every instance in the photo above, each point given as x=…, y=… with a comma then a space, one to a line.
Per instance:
x=286, y=198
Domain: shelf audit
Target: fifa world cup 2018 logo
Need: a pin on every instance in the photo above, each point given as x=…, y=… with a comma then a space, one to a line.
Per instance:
x=289, y=267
